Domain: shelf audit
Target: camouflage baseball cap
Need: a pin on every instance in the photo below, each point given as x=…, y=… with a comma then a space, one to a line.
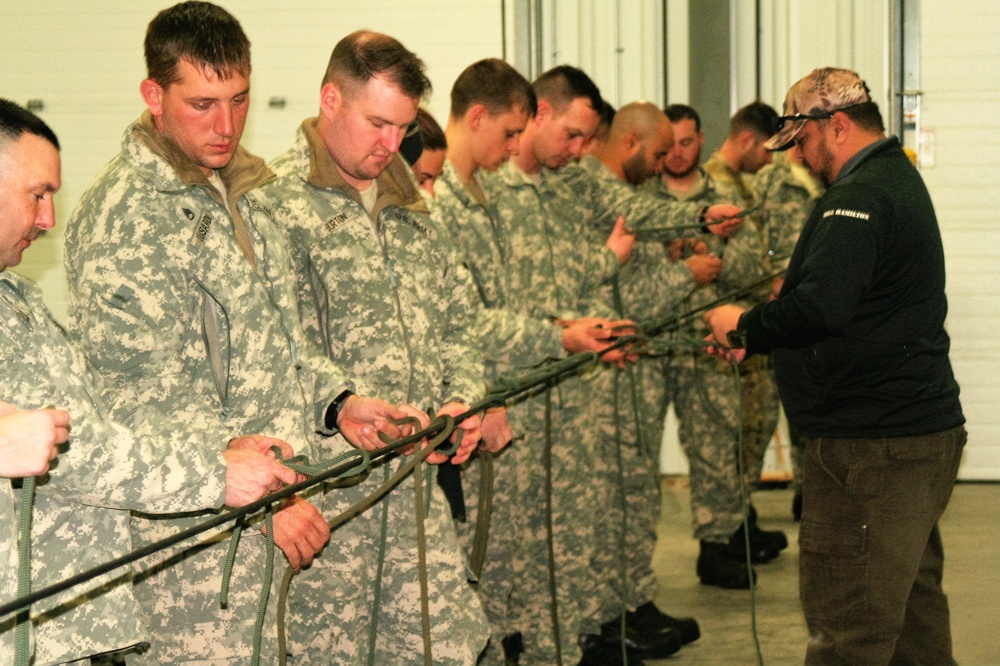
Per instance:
x=817, y=96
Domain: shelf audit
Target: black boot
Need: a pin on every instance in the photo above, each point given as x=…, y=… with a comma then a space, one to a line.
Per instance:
x=774, y=539
x=647, y=618
x=797, y=506
x=646, y=645
x=761, y=550
x=597, y=652
x=716, y=566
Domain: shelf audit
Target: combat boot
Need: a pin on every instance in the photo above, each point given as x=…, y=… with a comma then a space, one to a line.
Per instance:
x=716, y=566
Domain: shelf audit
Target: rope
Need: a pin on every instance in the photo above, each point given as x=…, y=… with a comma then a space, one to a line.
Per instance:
x=549, y=537
x=745, y=499
x=443, y=427
x=354, y=462
x=484, y=513
x=22, y=634
x=425, y=612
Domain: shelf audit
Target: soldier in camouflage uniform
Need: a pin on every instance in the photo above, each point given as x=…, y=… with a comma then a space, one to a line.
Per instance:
x=702, y=388
x=630, y=424
x=182, y=292
x=556, y=260
x=119, y=457
x=491, y=104
x=741, y=155
x=379, y=292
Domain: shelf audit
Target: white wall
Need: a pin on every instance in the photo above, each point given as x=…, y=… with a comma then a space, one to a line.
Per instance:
x=84, y=61
x=617, y=42
x=960, y=66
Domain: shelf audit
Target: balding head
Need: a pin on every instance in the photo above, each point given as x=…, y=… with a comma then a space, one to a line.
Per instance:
x=641, y=136
x=642, y=119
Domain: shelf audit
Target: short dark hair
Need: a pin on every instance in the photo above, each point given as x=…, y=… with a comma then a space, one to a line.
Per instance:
x=16, y=121
x=562, y=84
x=494, y=84
x=203, y=33
x=430, y=131
x=679, y=112
x=364, y=54
x=866, y=116
x=757, y=117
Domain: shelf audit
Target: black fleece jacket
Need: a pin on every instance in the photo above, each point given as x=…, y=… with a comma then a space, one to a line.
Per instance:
x=857, y=332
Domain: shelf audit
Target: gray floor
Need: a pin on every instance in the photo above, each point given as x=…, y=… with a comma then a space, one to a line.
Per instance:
x=970, y=529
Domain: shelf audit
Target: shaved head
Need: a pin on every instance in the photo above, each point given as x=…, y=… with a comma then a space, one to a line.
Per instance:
x=642, y=119
x=644, y=136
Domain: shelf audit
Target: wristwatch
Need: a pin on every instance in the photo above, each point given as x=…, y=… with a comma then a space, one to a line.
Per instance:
x=736, y=339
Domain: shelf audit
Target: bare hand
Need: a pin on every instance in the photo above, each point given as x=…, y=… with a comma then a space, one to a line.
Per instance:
x=472, y=432
x=724, y=353
x=29, y=440
x=721, y=320
x=592, y=334
x=704, y=267
x=496, y=430
x=685, y=247
x=621, y=241
x=361, y=419
x=722, y=219
x=251, y=475
x=300, y=531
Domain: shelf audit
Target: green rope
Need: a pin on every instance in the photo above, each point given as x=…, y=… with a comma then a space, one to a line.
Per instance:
x=484, y=513
x=425, y=611
x=744, y=497
x=620, y=466
x=265, y=592
x=22, y=634
x=380, y=567
x=655, y=233
x=443, y=425
x=549, y=537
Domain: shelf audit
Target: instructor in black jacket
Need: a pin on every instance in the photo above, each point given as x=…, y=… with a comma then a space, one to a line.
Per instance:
x=861, y=359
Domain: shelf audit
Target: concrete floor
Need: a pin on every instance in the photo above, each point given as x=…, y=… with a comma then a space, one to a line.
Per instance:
x=728, y=618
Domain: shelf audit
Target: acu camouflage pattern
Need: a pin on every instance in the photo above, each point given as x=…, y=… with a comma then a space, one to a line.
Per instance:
x=511, y=340
x=760, y=393
x=171, y=312
x=381, y=295
x=704, y=389
x=787, y=192
x=630, y=418
x=556, y=265
x=119, y=457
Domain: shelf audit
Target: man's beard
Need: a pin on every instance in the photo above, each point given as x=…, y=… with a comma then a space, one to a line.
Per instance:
x=687, y=172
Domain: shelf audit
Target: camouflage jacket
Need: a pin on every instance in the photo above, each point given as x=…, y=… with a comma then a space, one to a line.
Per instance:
x=741, y=252
x=511, y=338
x=188, y=305
x=378, y=292
x=787, y=192
x=171, y=310
x=648, y=286
x=604, y=201
x=119, y=457
x=557, y=263
x=733, y=185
